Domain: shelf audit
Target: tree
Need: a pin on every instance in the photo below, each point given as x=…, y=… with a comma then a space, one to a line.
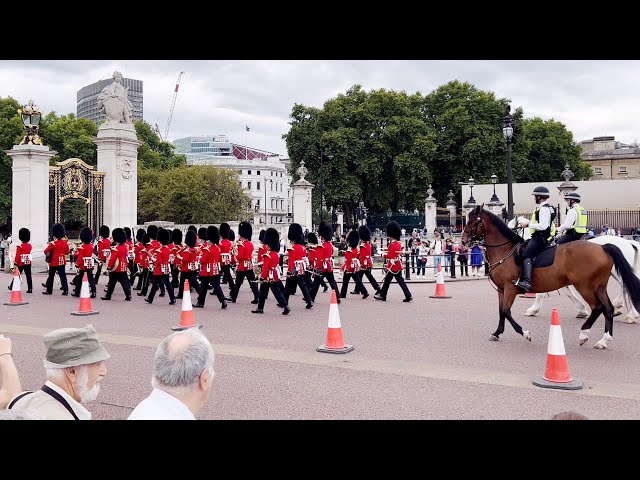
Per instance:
x=11, y=131
x=154, y=152
x=71, y=137
x=197, y=194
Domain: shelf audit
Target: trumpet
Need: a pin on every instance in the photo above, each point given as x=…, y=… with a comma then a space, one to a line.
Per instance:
x=234, y=246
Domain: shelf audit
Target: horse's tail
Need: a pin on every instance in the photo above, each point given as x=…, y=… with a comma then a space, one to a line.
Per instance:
x=630, y=282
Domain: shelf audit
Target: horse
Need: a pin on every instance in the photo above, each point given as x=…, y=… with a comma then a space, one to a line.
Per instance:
x=569, y=267
x=631, y=251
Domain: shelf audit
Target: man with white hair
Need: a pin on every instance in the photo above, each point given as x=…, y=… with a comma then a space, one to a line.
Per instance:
x=74, y=366
x=182, y=378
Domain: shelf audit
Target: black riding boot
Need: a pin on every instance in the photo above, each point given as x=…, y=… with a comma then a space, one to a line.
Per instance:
x=525, y=278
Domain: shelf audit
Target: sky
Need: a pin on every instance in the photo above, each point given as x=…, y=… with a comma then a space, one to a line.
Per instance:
x=220, y=97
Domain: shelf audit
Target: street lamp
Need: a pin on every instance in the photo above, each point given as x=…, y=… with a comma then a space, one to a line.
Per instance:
x=328, y=156
x=494, y=180
x=389, y=212
x=507, y=131
x=31, y=116
x=265, y=200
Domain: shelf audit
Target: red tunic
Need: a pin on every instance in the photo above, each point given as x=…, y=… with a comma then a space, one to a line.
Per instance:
x=161, y=264
x=298, y=261
x=365, y=255
x=23, y=254
x=270, y=262
x=188, y=259
x=59, y=249
x=210, y=261
x=84, y=257
x=324, y=257
x=351, y=261
x=104, y=249
x=393, y=256
x=118, y=252
x=245, y=256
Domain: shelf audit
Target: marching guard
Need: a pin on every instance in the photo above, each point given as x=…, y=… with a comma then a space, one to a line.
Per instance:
x=210, y=268
x=103, y=248
x=188, y=259
x=161, y=269
x=118, y=265
x=366, y=259
x=58, y=249
x=394, y=264
x=84, y=261
x=22, y=259
x=324, y=261
x=225, y=256
x=351, y=267
x=297, y=265
x=269, y=275
x=244, y=257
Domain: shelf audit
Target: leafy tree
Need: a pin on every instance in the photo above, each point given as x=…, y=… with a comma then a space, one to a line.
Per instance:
x=11, y=132
x=197, y=194
x=154, y=152
x=71, y=137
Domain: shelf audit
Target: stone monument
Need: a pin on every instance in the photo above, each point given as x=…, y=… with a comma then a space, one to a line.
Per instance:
x=430, y=213
x=302, y=205
x=452, y=206
x=118, y=156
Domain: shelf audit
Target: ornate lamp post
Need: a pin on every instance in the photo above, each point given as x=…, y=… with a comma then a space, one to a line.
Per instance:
x=494, y=197
x=31, y=117
x=507, y=131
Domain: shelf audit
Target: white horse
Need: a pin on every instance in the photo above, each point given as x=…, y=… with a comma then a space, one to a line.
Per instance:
x=631, y=251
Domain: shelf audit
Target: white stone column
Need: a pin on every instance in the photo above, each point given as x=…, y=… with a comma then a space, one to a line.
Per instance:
x=302, y=205
x=118, y=158
x=340, y=215
x=30, y=201
x=430, y=213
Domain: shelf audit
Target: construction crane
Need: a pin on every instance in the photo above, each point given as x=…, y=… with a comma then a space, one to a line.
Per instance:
x=173, y=104
x=157, y=129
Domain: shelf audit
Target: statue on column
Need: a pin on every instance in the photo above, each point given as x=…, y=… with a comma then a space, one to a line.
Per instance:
x=114, y=102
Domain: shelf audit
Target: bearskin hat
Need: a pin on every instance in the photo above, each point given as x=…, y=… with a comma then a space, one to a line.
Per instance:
x=104, y=231
x=295, y=233
x=118, y=235
x=86, y=235
x=139, y=234
x=190, y=238
x=365, y=233
x=192, y=227
x=353, y=238
x=213, y=235
x=24, y=234
x=164, y=236
x=272, y=239
x=312, y=239
x=176, y=236
x=202, y=233
x=325, y=230
x=224, y=230
x=245, y=230
x=127, y=232
x=58, y=231
x=393, y=230
x=261, y=236
x=232, y=236
x=152, y=231
x=146, y=238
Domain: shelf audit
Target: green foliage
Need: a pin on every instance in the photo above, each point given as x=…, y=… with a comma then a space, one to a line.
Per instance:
x=197, y=194
x=11, y=132
x=71, y=137
x=154, y=152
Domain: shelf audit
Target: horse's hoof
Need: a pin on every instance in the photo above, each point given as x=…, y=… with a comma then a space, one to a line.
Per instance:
x=617, y=312
x=527, y=334
x=630, y=320
x=582, y=315
x=530, y=313
x=493, y=338
x=583, y=341
x=600, y=345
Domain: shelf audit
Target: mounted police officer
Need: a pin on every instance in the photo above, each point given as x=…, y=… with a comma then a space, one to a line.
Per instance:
x=542, y=231
x=575, y=225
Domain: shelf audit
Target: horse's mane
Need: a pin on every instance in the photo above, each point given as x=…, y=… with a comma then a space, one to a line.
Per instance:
x=502, y=227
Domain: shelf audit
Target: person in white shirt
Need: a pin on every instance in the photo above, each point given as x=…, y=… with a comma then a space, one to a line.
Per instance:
x=436, y=250
x=182, y=378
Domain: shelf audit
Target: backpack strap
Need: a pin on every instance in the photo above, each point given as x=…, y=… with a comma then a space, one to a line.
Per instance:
x=13, y=402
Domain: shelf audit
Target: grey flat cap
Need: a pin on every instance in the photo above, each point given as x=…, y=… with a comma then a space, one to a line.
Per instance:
x=70, y=347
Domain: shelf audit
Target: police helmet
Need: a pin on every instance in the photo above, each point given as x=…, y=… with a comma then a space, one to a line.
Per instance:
x=541, y=192
x=572, y=196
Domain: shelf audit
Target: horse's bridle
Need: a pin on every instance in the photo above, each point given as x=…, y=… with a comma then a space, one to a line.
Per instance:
x=476, y=236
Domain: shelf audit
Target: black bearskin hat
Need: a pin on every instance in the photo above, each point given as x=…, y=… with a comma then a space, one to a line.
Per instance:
x=312, y=239
x=202, y=233
x=213, y=235
x=192, y=227
x=393, y=230
x=139, y=234
x=245, y=230
x=353, y=238
x=224, y=230
x=86, y=235
x=164, y=236
x=261, y=235
x=272, y=239
x=295, y=233
x=104, y=231
x=146, y=238
x=152, y=231
x=190, y=238
x=24, y=234
x=232, y=236
x=365, y=233
x=176, y=236
x=325, y=230
x=118, y=235
x=127, y=232
x=58, y=231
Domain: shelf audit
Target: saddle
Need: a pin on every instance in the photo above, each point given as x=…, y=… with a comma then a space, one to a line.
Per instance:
x=544, y=259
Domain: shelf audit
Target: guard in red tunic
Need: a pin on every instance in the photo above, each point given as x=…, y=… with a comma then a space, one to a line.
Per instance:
x=351, y=267
x=324, y=261
x=118, y=265
x=312, y=253
x=269, y=276
x=366, y=259
x=130, y=253
x=59, y=250
x=84, y=261
x=225, y=256
x=245, y=262
x=176, y=265
x=23, y=258
x=138, y=246
x=189, y=259
x=210, y=268
x=394, y=264
x=161, y=269
x=152, y=247
x=298, y=264
x=103, y=249
x=144, y=262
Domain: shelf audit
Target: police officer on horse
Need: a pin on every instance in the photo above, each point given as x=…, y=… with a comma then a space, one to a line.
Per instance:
x=542, y=231
x=575, y=225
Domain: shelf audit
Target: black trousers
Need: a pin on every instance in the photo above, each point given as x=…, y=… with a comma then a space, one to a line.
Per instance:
x=290, y=285
x=193, y=282
x=374, y=283
x=149, y=280
x=63, y=278
x=534, y=247
x=217, y=290
x=387, y=281
x=133, y=268
x=27, y=273
x=227, y=277
x=175, y=277
x=159, y=280
x=316, y=284
x=77, y=282
x=251, y=277
x=123, y=278
x=275, y=289
x=569, y=236
x=346, y=276
x=464, y=266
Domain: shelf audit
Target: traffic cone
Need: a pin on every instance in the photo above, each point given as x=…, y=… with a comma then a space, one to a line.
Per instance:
x=187, y=319
x=335, y=341
x=85, y=299
x=527, y=295
x=440, y=290
x=557, y=373
x=16, y=292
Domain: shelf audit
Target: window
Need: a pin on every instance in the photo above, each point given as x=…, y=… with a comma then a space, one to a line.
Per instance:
x=258, y=202
x=249, y=185
x=258, y=172
x=622, y=170
x=271, y=173
x=597, y=170
x=258, y=185
x=248, y=172
x=272, y=186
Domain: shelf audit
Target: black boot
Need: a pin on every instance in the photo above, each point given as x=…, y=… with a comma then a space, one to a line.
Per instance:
x=525, y=279
x=257, y=310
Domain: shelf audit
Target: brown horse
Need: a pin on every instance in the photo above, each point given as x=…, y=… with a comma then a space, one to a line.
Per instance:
x=585, y=265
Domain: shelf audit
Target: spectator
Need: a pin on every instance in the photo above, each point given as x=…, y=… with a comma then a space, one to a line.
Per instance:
x=476, y=259
x=182, y=378
x=591, y=233
x=403, y=231
x=13, y=415
x=463, y=260
x=448, y=253
x=74, y=366
x=569, y=415
x=423, y=257
x=5, y=244
x=9, y=379
x=619, y=232
x=611, y=231
x=437, y=247
x=413, y=246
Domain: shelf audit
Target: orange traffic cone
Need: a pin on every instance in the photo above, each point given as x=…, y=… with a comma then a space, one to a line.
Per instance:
x=85, y=299
x=16, y=292
x=557, y=373
x=440, y=290
x=187, y=319
x=335, y=341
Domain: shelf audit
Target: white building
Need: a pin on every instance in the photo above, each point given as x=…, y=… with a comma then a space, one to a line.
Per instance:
x=264, y=175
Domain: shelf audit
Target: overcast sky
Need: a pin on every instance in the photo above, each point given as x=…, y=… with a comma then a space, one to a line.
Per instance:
x=591, y=97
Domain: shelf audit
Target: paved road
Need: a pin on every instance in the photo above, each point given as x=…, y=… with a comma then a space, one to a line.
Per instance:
x=430, y=359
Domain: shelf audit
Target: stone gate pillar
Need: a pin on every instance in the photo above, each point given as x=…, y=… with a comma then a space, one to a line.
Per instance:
x=302, y=205
x=430, y=213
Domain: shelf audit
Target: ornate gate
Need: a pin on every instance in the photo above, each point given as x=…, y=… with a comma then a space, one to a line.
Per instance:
x=75, y=179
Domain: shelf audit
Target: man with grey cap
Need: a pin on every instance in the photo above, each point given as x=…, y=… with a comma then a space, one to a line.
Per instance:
x=74, y=366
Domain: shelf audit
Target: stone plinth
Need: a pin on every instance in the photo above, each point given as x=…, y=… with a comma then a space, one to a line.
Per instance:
x=302, y=204
x=430, y=213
